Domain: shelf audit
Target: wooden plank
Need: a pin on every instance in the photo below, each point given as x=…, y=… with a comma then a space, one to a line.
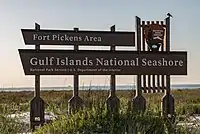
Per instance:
x=162, y=47
x=37, y=77
x=149, y=84
x=113, y=101
x=149, y=76
x=168, y=50
x=37, y=86
x=70, y=37
x=143, y=36
x=154, y=84
x=153, y=76
x=37, y=103
x=143, y=49
x=163, y=82
x=167, y=100
x=163, y=76
x=158, y=83
x=168, y=34
x=76, y=77
x=138, y=29
x=91, y=64
x=75, y=102
x=139, y=102
x=158, y=76
x=144, y=83
x=112, y=81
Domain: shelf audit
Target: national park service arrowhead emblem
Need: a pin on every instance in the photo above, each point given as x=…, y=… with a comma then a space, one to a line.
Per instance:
x=154, y=36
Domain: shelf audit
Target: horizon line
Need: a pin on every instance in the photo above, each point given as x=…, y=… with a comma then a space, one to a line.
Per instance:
x=95, y=85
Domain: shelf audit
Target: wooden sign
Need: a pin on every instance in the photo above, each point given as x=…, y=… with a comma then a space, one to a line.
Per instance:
x=154, y=32
x=154, y=35
x=71, y=37
x=68, y=62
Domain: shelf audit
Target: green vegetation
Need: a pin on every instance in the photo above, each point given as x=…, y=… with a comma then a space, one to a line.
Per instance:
x=94, y=118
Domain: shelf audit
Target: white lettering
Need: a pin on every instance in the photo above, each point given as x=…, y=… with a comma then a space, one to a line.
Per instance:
x=181, y=63
x=41, y=37
x=65, y=37
x=46, y=61
x=116, y=62
x=161, y=62
x=33, y=61
x=92, y=39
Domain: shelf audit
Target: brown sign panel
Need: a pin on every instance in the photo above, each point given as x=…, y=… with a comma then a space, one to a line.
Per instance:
x=154, y=32
x=68, y=62
x=154, y=36
x=70, y=37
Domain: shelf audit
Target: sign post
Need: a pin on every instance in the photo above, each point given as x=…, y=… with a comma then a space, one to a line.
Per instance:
x=113, y=101
x=75, y=102
x=139, y=102
x=167, y=100
x=37, y=103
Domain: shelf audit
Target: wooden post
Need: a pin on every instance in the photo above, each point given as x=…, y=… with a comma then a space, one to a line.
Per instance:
x=158, y=84
x=37, y=76
x=158, y=76
x=37, y=103
x=153, y=76
x=75, y=102
x=167, y=100
x=139, y=102
x=149, y=76
x=144, y=49
x=76, y=77
x=113, y=101
x=163, y=76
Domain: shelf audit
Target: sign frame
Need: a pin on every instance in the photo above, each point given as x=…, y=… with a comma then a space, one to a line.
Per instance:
x=80, y=37
x=128, y=57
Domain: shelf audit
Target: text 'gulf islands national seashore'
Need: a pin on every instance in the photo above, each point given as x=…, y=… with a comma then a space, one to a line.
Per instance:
x=67, y=61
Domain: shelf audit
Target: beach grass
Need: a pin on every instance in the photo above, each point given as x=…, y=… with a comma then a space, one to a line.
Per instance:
x=187, y=102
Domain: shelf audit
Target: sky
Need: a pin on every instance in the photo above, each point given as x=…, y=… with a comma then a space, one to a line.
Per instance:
x=93, y=15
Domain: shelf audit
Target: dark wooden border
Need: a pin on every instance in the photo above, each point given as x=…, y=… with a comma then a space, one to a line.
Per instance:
x=119, y=38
